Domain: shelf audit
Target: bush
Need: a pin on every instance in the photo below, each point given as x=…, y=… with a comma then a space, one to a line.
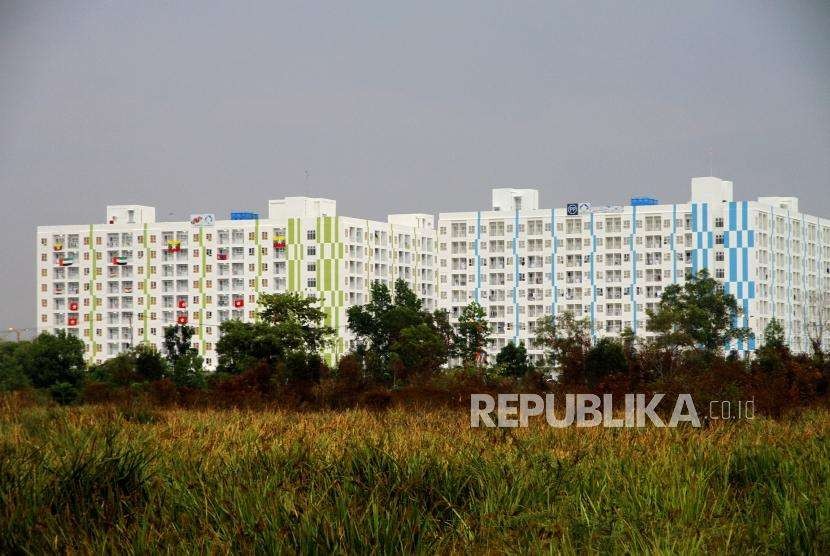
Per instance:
x=63, y=392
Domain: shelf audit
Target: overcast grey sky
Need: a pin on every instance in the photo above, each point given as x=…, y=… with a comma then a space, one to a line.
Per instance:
x=397, y=107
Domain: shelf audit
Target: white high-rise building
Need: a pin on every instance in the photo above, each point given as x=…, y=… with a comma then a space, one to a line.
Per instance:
x=120, y=283
x=611, y=263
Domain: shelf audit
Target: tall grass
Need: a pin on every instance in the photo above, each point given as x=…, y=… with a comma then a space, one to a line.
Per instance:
x=103, y=479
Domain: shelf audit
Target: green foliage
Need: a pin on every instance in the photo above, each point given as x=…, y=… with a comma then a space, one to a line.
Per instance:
x=288, y=323
x=566, y=341
x=187, y=371
x=512, y=360
x=242, y=344
x=118, y=370
x=51, y=359
x=185, y=362
x=473, y=334
x=149, y=363
x=64, y=392
x=606, y=357
x=390, y=333
x=697, y=315
x=420, y=350
x=177, y=341
x=774, y=335
x=297, y=320
x=12, y=373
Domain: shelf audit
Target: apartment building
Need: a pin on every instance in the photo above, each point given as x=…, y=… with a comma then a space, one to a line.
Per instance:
x=121, y=282
x=612, y=263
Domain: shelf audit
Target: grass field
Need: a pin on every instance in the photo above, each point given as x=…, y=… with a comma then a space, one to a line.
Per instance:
x=102, y=479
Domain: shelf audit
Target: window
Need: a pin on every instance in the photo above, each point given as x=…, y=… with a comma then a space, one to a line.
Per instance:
x=311, y=250
x=312, y=282
x=312, y=267
x=311, y=234
x=719, y=222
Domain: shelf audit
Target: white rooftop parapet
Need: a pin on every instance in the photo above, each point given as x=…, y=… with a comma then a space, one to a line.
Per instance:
x=510, y=199
x=711, y=190
x=130, y=214
x=414, y=220
x=301, y=207
x=785, y=203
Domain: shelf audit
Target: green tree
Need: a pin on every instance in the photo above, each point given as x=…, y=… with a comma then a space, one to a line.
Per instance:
x=420, y=350
x=565, y=340
x=288, y=323
x=606, y=357
x=297, y=319
x=444, y=328
x=774, y=335
x=185, y=362
x=187, y=370
x=149, y=363
x=378, y=327
x=773, y=356
x=473, y=334
x=698, y=315
x=512, y=360
x=12, y=372
x=177, y=341
x=53, y=358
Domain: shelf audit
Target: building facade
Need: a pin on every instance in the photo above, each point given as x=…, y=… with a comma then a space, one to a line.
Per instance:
x=120, y=283
x=610, y=264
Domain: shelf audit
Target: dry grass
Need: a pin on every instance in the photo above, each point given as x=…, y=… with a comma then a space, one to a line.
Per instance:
x=102, y=479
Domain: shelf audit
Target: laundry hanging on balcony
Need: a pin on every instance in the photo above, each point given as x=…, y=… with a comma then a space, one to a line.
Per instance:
x=73, y=306
x=120, y=261
x=279, y=242
x=182, y=304
x=72, y=321
x=174, y=246
x=58, y=246
x=238, y=303
x=66, y=261
x=222, y=254
x=182, y=320
x=128, y=289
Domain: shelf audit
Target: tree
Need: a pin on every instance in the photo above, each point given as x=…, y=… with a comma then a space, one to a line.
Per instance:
x=379, y=325
x=187, y=371
x=419, y=350
x=444, y=328
x=54, y=358
x=698, y=315
x=773, y=355
x=774, y=335
x=288, y=323
x=605, y=358
x=12, y=373
x=177, y=341
x=242, y=344
x=297, y=319
x=149, y=363
x=566, y=341
x=473, y=334
x=817, y=322
x=185, y=361
x=512, y=360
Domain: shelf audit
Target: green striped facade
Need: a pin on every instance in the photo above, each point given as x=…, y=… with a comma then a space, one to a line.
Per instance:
x=330, y=251
x=294, y=254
